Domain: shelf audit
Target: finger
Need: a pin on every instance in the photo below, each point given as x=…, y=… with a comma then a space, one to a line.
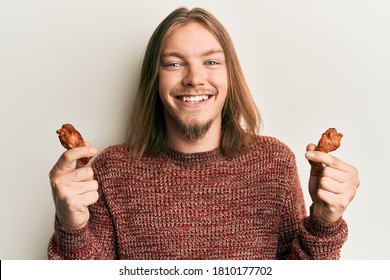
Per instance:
x=82, y=162
x=62, y=179
x=86, y=187
x=329, y=198
x=334, y=201
x=311, y=147
x=345, y=192
x=78, y=202
x=69, y=156
x=316, y=167
x=81, y=174
x=89, y=198
x=339, y=176
x=329, y=160
x=71, y=193
x=330, y=185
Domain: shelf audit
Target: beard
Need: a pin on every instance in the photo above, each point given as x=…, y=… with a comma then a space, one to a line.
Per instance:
x=192, y=132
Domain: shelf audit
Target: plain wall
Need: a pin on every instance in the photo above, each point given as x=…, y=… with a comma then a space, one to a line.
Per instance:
x=310, y=65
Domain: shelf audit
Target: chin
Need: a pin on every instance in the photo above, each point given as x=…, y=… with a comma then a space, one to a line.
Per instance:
x=193, y=131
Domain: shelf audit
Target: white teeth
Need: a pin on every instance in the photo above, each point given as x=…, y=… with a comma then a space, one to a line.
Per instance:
x=194, y=98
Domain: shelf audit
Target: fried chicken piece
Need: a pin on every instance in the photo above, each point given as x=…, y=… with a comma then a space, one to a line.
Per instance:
x=330, y=141
x=70, y=138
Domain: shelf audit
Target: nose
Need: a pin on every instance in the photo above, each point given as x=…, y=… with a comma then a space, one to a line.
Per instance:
x=194, y=76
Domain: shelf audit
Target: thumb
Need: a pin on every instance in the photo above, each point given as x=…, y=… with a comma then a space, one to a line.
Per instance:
x=86, y=161
x=310, y=148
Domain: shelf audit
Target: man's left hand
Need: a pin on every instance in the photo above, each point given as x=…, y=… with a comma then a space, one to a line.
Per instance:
x=332, y=185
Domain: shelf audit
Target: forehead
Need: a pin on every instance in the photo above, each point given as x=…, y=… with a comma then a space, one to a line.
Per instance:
x=191, y=37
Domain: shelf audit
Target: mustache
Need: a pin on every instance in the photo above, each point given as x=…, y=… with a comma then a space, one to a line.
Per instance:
x=194, y=91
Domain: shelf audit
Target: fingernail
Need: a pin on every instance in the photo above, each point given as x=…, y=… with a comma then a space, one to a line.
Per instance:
x=310, y=154
x=93, y=150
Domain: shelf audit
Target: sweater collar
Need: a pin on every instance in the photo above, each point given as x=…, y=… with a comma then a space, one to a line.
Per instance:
x=192, y=158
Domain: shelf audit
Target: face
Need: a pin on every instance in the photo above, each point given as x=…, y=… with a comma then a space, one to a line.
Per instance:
x=192, y=81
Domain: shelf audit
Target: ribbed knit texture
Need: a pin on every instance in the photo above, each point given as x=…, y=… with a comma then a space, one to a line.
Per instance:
x=200, y=206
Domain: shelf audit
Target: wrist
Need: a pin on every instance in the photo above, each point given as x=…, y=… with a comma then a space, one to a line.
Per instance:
x=323, y=214
x=63, y=222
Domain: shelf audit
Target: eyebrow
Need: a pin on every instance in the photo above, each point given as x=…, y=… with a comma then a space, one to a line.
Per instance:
x=179, y=55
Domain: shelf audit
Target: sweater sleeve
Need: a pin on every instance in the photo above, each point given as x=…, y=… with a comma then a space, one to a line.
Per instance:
x=301, y=236
x=95, y=241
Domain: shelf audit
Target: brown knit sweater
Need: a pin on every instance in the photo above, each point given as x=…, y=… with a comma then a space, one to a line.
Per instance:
x=200, y=206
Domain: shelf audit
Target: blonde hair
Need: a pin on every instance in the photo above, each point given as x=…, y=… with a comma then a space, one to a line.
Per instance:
x=240, y=117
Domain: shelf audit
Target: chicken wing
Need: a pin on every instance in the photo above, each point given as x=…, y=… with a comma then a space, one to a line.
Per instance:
x=330, y=141
x=70, y=138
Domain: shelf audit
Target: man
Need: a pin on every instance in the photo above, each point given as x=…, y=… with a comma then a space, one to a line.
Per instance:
x=194, y=181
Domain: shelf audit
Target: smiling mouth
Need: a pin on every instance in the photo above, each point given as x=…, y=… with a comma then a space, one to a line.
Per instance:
x=193, y=98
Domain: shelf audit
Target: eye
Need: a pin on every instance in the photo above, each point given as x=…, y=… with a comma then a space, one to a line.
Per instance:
x=173, y=65
x=212, y=63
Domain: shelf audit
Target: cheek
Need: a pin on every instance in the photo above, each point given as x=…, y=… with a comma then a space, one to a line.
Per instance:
x=166, y=82
x=219, y=79
x=222, y=87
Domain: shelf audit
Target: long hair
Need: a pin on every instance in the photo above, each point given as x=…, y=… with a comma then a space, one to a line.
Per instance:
x=240, y=117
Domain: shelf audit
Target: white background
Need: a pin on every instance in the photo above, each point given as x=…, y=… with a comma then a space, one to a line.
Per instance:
x=310, y=65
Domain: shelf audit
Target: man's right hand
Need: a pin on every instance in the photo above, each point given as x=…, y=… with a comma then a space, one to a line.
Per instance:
x=73, y=189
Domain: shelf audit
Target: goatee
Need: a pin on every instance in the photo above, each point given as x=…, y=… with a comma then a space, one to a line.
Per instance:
x=192, y=132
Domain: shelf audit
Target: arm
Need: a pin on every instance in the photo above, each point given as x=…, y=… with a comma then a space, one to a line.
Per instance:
x=332, y=185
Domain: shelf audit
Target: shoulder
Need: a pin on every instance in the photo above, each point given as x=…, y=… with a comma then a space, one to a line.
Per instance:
x=270, y=145
x=268, y=150
x=117, y=153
